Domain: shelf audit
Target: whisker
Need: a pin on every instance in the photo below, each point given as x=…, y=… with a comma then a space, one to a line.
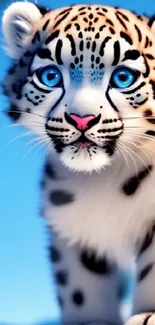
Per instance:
x=139, y=117
x=32, y=148
x=22, y=124
x=121, y=151
x=141, y=135
x=137, y=156
x=125, y=149
x=44, y=141
x=17, y=137
x=139, y=148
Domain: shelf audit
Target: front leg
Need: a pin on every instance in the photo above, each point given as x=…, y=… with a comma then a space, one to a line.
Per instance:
x=86, y=287
x=144, y=300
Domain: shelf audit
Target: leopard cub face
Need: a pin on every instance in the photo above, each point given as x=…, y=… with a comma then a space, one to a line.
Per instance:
x=83, y=77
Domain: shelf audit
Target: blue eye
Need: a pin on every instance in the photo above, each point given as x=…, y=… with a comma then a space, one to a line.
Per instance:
x=50, y=76
x=123, y=77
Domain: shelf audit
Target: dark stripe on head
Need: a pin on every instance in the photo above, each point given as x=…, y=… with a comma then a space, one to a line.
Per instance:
x=60, y=20
x=58, y=52
x=133, y=183
x=123, y=15
x=44, y=54
x=121, y=21
x=61, y=197
x=64, y=11
x=45, y=25
x=73, y=47
x=135, y=89
x=131, y=55
x=116, y=53
x=101, y=52
x=52, y=37
x=146, y=42
x=149, y=56
x=126, y=37
x=67, y=27
x=138, y=33
x=144, y=272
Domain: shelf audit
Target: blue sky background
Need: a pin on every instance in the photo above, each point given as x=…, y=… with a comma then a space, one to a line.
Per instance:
x=27, y=292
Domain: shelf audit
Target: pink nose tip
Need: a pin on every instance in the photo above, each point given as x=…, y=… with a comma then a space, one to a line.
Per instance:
x=82, y=122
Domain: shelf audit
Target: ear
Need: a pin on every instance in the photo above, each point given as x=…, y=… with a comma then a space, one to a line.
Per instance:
x=17, y=24
x=151, y=23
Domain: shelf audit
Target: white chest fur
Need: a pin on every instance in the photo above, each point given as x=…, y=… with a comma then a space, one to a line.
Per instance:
x=102, y=216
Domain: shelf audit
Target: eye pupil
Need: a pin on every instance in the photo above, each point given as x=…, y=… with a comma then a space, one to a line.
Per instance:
x=123, y=76
x=51, y=76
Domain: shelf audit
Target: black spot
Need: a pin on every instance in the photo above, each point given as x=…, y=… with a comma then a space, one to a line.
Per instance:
x=147, y=241
x=28, y=110
x=144, y=272
x=95, y=265
x=61, y=278
x=150, y=132
x=55, y=254
x=78, y=297
x=67, y=27
x=49, y=170
x=130, y=187
x=61, y=197
x=22, y=64
x=131, y=55
x=44, y=54
x=14, y=113
x=126, y=37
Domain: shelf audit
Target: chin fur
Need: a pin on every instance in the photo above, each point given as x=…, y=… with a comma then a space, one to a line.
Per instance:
x=84, y=160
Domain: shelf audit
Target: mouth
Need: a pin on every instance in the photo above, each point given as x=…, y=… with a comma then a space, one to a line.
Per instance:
x=82, y=142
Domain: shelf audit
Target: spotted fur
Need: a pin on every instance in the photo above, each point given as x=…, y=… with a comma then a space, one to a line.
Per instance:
x=103, y=218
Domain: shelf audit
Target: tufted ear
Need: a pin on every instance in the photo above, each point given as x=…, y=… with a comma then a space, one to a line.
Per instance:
x=17, y=24
x=151, y=23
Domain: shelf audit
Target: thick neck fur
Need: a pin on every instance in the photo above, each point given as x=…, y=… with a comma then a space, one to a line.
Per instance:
x=102, y=216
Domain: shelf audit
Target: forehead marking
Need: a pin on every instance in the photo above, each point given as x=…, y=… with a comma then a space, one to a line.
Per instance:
x=101, y=52
x=121, y=21
x=58, y=52
x=73, y=47
x=116, y=53
x=52, y=37
x=61, y=19
x=126, y=37
x=138, y=33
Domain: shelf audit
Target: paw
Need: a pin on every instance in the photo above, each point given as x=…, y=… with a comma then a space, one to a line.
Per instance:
x=142, y=319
